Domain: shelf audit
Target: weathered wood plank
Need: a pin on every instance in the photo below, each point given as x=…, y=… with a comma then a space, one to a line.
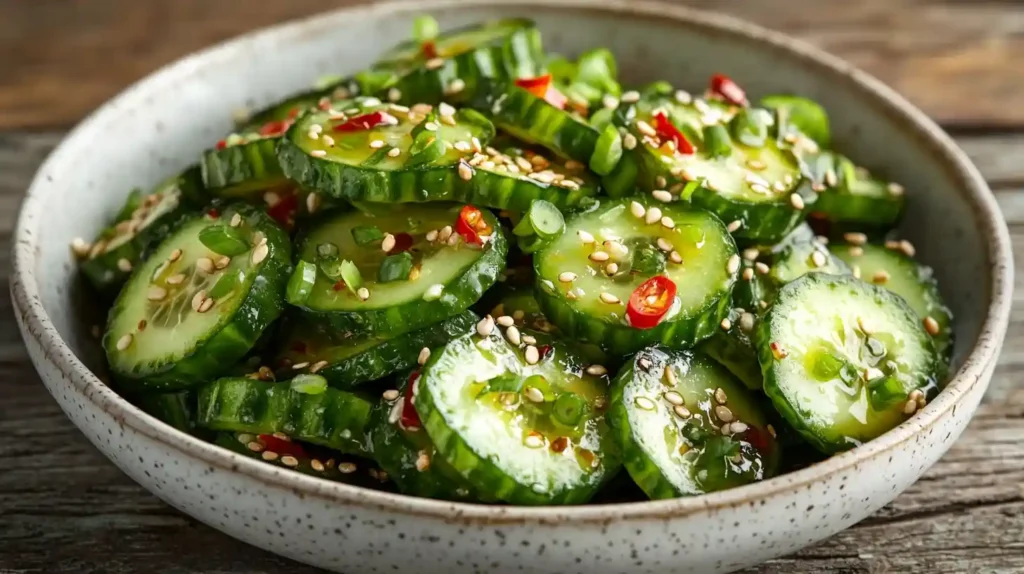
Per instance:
x=921, y=47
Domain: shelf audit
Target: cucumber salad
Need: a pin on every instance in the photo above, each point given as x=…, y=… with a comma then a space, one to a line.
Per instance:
x=480, y=272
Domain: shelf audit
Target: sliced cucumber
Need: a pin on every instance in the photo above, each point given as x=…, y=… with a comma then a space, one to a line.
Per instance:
x=188, y=312
x=144, y=221
x=327, y=465
x=350, y=359
x=328, y=417
x=243, y=164
x=804, y=114
x=586, y=298
x=685, y=426
x=448, y=274
x=734, y=347
x=408, y=455
x=295, y=105
x=844, y=361
x=176, y=409
x=802, y=252
x=453, y=65
x=522, y=421
x=385, y=153
x=892, y=267
x=851, y=195
x=521, y=306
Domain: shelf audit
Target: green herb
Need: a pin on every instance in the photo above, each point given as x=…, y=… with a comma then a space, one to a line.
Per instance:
x=716, y=142
x=363, y=235
x=351, y=276
x=223, y=240
x=395, y=268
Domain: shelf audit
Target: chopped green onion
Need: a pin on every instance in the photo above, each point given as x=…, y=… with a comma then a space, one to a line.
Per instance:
x=330, y=250
x=607, y=150
x=309, y=384
x=750, y=126
x=300, y=284
x=543, y=219
x=504, y=383
x=364, y=235
x=223, y=240
x=427, y=146
x=825, y=366
x=597, y=68
x=804, y=114
x=351, y=276
x=225, y=284
x=716, y=142
x=645, y=258
x=885, y=392
x=569, y=409
x=600, y=120
x=373, y=81
x=425, y=28
x=395, y=267
x=378, y=157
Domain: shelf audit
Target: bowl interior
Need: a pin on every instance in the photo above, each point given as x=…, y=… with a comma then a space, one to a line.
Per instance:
x=161, y=125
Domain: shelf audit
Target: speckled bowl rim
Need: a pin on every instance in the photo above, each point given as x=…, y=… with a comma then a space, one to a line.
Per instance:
x=984, y=210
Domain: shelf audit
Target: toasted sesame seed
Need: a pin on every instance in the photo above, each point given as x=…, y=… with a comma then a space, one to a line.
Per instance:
x=445, y=233
x=80, y=247
x=433, y=292
x=377, y=144
x=431, y=235
x=631, y=97
x=204, y=264
x=910, y=407
x=796, y=201
x=751, y=253
x=818, y=259
x=599, y=256
x=597, y=370
x=346, y=467
x=931, y=325
x=907, y=248
x=289, y=460
x=629, y=141
x=585, y=237
x=388, y=243
x=512, y=334
x=394, y=152
x=260, y=253
x=197, y=299
x=724, y=414
x=734, y=226
x=319, y=152
x=534, y=440
x=207, y=304
x=269, y=455
x=637, y=210
x=895, y=189
x=759, y=188
x=661, y=195
x=300, y=366
x=855, y=238
x=682, y=412
x=485, y=326
x=607, y=297
x=880, y=277
x=567, y=277
x=317, y=366
x=675, y=257
x=733, y=264
x=673, y=398
x=667, y=222
x=465, y=172
x=738, y=427
x=726, y=324
x=747, y=321
x=156, y=293
x=313, y=135
x=611, y=268
x=646, y=129
x=222, y=262
x=748, y=274
x=532, y=355
x=653, y=215
x=363, y=293
x=761, y=268
x=456, y=86
x=124, y=342
x=434, y=63
x=423, y=356
x=255, y=446
x=609, y=101
x=644, y=403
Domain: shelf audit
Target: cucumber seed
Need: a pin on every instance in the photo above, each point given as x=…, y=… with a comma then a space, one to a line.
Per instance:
x=485, y=326
x=156, y=293
x=176, y=279
x=675, y=257
x=673, y=398
x=682, y=412
x=599, y=256
x=668, y=223
x=197, y=299
x=204, y=264
x=175, y=255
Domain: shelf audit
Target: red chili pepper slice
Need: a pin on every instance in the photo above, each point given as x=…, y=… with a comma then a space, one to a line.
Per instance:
x=541, y=87
x=758, y=439
x=650, y=301
x=471, y=225
x=724, y=87
x=410, y=418
x=668, y=131
x=429, y=49
x=361, y=123
x=222, y=144
x=274, y=128
x=282, y=447
x=403, y=241
x=213, y=213
x=285, y=209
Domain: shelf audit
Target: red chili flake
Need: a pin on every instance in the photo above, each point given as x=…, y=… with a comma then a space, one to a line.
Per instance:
x=544, y=350
x=724, y=87
x=429, y=49
x=471, y=225
x=222, y=144
x=213, y=213
x=757, y=439
x=403, y=241
x=285, y=209
x=338, y=286
x=541, y=87
x=668, y=131
x=410, y=418
x=361, y=123
x=294, y=112
x=275, y=128
x=282, y=446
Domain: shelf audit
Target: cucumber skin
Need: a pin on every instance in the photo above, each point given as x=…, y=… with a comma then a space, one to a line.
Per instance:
x=736, y=352
x=249, y=405
x=456, y=297
x=176, y=409
x=394, y=355
x=240, y=170
x=518, y=55
x=261, y=306
x=782, y=404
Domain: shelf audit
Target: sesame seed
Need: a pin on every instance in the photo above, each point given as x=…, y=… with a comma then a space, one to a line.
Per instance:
x=176, y=279
x=631, y=97
x=895, y=189
x=796, y=201
x=156, y=293
x=818, y=259
x=485, y=326
x=328, y=140
x=653, y=215
x=197, y=299
x=431, y=235
x=748, y=274
x=673, y=397
x=629, y=141
x=204, y=264
x=313, y=135
x=733, y=264
x=207, y=304
x=667, y=222
x=873, y=373
x=726, y=324
x=670, y=377
x=317, y=366
x=97, y=248
x=916, y=395
x=422, y=461
x=910, y=407
x=430, y=126
x=599, y=256
x=931, y=326
x=756, y=164
x=433, y=292
x=434, y=63
x=880, y=277
x=377, y=144
x=644, y=403
x=597, y=370
x=532, y=355
x=611, y=268
x=512, y=334
x=675, y=257
x=645, y=128
x=585, y=237
x=661, y=195
x=269, y=455
x=423, y=356
x=80, y=247
x=260, y=253
x=534, y=440
x=734, y=226
x=319, y=153
x=747, y=321
x=664, y=244
x=456, y=86
x=608, y=298
x=222, y=262
x=124, y=342
x=907, y=248
x=720, y=396
x=534, y=394
x=346, y=467
x=289, y=460
x=505, y=321
x=300, y=366
x=761, y=268
x=124, y=265
x=855, y=238
x=388, y=243
x=609, y=101
x=682, y=412
x=254, y=446
x=394, y=152
x=724, y=414
x=465, y=172
x=637, y=210
x=738, y=427
x=567, y=277
x=316, y=465
x=363, y=293
x=394, y=94
x=758, y=188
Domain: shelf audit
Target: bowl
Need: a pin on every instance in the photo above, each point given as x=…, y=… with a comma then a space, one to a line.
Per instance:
x=160, y=125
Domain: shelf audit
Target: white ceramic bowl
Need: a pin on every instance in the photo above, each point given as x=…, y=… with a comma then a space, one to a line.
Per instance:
x=160, y=125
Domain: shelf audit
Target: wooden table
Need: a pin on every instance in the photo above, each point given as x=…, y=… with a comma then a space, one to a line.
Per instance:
x=65, y=508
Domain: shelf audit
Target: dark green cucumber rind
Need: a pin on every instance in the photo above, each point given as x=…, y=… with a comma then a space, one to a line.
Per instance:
x=763, y=222
x=234, y=338
x=390, y=355
x=457, y=296
x=533, y=120
x=397, y=454
x=515, y=193
x=335, y=419
x=735, y=351
x=516, y=55
x=176, y=409
x=238, y=171
x=792, y=413
x=926, y=302
x=229, y=441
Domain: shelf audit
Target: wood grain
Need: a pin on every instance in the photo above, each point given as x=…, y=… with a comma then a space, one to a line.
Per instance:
x=65, y=508
x=959, y=60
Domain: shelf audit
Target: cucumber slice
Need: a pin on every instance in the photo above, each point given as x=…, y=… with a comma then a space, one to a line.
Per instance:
x=844, y=361
x=448, y=274
x=349, y=359
x=522, y=422
x=802, y=252
x=804, y=114
x=408, y=455
x=588, y=81
x=685, y=426
x=412, y=155
x=587, y=299
x=533, y=120
x=176, y=409
x=327, y=465
x=188, y=313
x=734, y=347
x=848, y=194
x=892, y=267
x=335, y=419
x=244, y=164
x=295, y=105
x=144, y=221
x=454, y=65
